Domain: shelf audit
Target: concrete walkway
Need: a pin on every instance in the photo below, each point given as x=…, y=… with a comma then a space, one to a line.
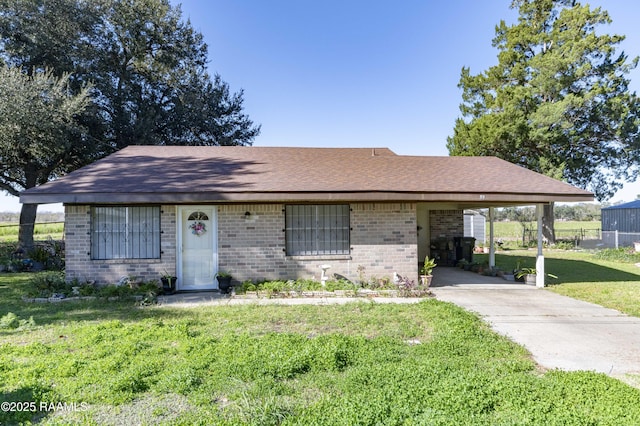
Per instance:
x=559, y=331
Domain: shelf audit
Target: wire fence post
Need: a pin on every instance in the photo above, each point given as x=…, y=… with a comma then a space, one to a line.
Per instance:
x=615, y=238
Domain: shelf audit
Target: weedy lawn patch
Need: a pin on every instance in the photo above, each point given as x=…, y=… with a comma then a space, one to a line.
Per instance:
x=360, y=363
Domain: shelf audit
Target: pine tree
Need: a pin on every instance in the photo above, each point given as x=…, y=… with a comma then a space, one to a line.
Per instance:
x=557, y=102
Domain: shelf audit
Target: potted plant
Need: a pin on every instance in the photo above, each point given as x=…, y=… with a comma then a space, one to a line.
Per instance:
x=491, y=271
x=530, y=275
x=516, y=275
x=527, y=275
x=426, y=271
x=168, y=283
x=224, y=281
x=464, y=264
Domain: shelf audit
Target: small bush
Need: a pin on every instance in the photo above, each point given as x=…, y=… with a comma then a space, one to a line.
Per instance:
x=625, y=255
x=306, y=285
x=148, y=287
x=246, y=286
x=86, y=289
x=46, y=284
x=9, y=321
x=565, y=245
x=334, y=285
x=49, y=254
x=112, y=290
x=14, y=322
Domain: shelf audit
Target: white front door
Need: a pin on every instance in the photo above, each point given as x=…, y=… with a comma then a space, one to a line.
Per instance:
x=197, y=248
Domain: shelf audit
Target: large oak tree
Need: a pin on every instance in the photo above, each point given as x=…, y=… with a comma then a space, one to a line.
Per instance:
x=41, y=136
x=146, y=66
x=557, y=102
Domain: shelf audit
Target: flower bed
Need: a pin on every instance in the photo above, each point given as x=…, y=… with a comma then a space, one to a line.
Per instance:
x=363, y=293
x=335, y=288
x=51, y=287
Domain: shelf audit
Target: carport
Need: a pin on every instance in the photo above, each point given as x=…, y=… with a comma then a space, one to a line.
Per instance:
x=471, y=183
x=424, y=240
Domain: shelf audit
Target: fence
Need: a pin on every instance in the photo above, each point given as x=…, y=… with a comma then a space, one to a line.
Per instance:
x=17, y=225
x=616, y=239
x=578, y=235
x=10, y=230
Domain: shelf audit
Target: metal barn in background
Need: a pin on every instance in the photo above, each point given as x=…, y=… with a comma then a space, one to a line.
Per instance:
x=621, y=225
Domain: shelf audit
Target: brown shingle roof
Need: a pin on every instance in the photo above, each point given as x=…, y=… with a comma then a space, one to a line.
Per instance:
x=202, y=174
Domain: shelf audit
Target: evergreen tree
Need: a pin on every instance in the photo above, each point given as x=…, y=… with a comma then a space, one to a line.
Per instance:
x=557, y=102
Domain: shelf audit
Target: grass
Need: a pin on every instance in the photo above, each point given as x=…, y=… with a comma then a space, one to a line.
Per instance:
x=42, y=231
x=360, y=363
x=513, y=230
x=587, y=276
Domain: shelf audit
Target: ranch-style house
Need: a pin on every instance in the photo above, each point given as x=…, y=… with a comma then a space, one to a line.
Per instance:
x=277, y=213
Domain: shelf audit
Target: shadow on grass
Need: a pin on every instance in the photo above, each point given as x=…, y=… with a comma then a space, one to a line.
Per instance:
x=577, y=271
x=568, y=270
x=22, y=405
x=13, y=287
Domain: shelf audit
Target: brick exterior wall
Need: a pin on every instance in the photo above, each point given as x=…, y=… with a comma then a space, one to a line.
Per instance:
x=446, y=223
x=79, y=264
x=383, y=241
x=252, y=247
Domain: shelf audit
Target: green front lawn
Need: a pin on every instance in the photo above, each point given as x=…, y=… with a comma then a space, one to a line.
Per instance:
x=360, y=363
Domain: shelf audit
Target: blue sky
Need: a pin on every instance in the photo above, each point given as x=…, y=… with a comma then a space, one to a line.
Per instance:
x=361, y=73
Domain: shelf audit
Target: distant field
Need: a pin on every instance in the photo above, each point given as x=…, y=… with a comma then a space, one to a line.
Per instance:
x=564, y=229
x=9, y=231
x=505, y=230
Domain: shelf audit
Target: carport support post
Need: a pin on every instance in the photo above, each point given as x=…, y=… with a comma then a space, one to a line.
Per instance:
x=540, y=258
x=492, y=250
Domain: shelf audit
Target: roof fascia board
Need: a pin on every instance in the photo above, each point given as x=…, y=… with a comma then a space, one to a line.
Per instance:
x=178, y=198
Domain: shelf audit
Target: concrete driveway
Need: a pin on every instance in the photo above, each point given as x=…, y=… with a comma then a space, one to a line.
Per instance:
x=559, y=331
